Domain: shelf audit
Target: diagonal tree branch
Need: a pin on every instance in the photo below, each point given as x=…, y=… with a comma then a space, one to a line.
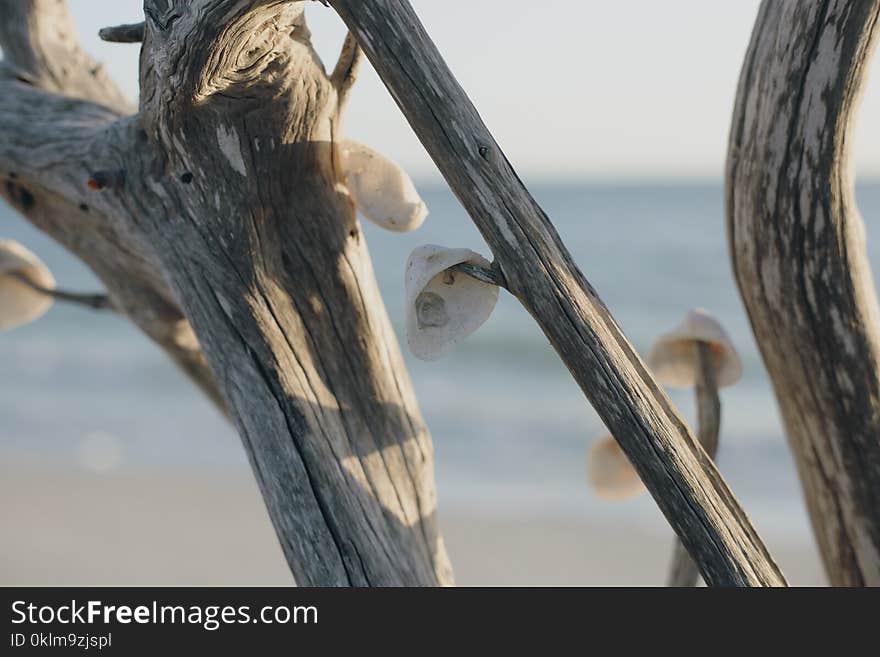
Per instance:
x=541, y=273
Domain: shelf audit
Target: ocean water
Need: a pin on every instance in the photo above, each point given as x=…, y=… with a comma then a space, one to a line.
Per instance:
x=511, y=429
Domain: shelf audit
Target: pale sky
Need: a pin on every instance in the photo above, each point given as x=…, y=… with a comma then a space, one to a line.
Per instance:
x=592, y=89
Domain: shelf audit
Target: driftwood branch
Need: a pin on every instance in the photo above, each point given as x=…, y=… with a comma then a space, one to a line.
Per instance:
x=541, y=274
x=684, y=572
x=798, y=248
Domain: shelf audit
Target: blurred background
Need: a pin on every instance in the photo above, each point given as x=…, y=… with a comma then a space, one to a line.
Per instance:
x=115, y=470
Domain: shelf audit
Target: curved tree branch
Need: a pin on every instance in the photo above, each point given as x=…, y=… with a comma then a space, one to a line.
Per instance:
x=797, y=243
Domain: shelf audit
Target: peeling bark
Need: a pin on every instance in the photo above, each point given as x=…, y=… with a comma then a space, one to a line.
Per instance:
x=798, y=250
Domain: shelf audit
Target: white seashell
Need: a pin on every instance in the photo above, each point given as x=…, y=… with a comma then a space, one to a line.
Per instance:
x=20, y=303
x=673, y=357
x=381, y=190
x=610, y=472
x=443, y=306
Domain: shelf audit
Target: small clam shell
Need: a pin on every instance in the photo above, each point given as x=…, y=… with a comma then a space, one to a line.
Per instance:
x=381, y=190
x=19, y=303
x=444, y=306
x=610, y=472
x=673, y=357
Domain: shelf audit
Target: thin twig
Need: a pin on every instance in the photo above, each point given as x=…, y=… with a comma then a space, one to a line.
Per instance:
x=345, y=73
x=491, y=275
x=684, y=572
x=131, y=33
x=93, y=301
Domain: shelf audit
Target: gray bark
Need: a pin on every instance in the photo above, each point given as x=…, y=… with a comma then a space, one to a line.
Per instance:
x=540, y=272
x=684, y=572
x=798, y=250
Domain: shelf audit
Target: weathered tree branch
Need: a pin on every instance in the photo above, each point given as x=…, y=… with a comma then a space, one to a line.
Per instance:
x=540, y=272
x=798, y=248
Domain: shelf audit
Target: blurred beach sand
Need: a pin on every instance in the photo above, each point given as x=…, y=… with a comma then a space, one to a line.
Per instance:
x=62, y=527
